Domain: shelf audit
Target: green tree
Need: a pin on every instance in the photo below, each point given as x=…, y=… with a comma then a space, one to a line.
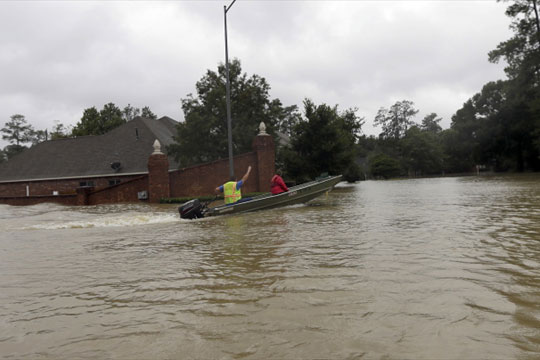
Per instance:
x=203, y=137
x=431, y=122
x=452, y=147
x=422, y=152
x=384, y=166
x=129, y=113
x=492, y=130
x=322, y=142
x=461, y=143
x=111, y=117
x=38, y=136
x=353, y=173
x=493, y=123
x=90, y=123
x=522, y=51
x=147, y=113
x=59, y=131
x=396, y=120
x=366, y=145
x=17, y=131
x=287, y=118
x=521, y=112
x=98, y=123
x=351, y=128
x=3, y=156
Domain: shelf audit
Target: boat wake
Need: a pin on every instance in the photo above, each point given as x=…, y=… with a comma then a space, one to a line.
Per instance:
x=130, y=219
x=50, y=216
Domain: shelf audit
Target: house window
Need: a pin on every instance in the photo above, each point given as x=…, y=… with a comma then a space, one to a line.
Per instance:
x=114, y=182
x=88, y=183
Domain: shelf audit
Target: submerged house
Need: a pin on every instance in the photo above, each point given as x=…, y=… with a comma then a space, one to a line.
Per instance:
x=127, y=164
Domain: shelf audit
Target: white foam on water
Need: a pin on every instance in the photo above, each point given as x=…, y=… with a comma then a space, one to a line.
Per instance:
x=116, y=220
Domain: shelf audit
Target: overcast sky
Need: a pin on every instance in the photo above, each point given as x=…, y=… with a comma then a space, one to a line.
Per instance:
x=59, y=57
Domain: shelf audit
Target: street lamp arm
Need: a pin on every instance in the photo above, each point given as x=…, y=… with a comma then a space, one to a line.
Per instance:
x=227, y=8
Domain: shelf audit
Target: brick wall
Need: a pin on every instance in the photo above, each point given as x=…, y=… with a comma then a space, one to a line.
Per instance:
x=126, y=192
x=203, y=179
x=63, y=186
x=23, y=200
x=42, y=191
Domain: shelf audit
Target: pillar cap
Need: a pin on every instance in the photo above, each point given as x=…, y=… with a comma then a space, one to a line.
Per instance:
x=157, y=147
x=262, y=129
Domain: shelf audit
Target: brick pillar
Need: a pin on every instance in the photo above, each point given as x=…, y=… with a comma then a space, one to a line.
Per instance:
x=158, y=175
x=263, y=146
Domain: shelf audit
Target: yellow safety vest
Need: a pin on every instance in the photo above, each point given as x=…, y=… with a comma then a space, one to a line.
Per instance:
x=231, y=194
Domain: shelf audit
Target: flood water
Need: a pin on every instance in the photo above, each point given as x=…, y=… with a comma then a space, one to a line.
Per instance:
x=445, y=268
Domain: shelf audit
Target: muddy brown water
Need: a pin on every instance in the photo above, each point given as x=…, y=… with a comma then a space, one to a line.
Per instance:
x=445, y=268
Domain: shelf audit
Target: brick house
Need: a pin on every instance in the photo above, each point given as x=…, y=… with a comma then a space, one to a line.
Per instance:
x=127, y=164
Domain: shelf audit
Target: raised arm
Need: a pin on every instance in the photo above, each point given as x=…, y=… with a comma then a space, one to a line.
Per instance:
x=244, y=178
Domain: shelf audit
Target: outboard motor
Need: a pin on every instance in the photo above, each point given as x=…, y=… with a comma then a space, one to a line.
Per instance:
x=191, y=209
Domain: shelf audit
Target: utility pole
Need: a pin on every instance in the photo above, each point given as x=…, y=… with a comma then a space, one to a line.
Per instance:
x=228, y=94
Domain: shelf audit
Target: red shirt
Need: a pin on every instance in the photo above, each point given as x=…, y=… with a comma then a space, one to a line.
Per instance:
x=277, y=185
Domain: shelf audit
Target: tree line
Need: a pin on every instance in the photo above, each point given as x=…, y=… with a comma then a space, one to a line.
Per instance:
x=317, y=139
x=499, y=127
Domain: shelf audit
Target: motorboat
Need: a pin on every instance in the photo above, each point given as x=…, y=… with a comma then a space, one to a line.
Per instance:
x=302, y=193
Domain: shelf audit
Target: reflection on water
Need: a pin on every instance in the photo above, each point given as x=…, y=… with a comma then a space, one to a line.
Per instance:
x=430, y=268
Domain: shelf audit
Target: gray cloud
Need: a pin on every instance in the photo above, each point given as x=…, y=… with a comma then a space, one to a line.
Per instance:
x=58, y=58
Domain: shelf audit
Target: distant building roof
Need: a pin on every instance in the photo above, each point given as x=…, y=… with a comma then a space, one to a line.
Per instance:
x=88, y=156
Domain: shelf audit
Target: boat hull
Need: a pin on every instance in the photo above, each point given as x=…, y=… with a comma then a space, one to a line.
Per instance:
x=296, y=195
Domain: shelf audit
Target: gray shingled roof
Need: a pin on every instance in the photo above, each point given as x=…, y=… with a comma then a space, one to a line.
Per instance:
x=89, y=156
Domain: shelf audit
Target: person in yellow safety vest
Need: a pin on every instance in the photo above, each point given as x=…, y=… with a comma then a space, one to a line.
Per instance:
x=231, y=189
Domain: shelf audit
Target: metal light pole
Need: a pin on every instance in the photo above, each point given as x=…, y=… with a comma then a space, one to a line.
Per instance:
x=228, y=94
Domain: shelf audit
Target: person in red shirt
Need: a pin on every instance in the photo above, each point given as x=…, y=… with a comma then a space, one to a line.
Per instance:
x=277, y=185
